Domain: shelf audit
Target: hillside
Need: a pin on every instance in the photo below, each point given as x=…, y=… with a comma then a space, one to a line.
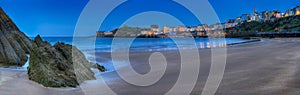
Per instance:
x=286, y=24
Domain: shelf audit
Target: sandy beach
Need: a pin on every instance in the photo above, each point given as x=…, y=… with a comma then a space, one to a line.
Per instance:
x=269, y=67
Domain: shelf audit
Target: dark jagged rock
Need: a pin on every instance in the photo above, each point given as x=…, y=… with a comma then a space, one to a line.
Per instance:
x=99, y=67
x=14, y=45
x=60, y=65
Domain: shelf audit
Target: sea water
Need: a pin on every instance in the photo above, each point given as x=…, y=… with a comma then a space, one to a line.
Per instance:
x=98, y=45
x=144, y=44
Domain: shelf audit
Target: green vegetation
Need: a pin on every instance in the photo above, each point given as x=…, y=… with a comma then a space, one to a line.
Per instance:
x=276, y=25
x=126, y=31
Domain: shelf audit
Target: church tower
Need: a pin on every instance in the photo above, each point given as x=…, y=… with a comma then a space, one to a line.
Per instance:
x=255, y=11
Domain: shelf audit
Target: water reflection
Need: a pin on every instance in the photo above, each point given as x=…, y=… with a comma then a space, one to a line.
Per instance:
x=141, y=44
x=212, y=44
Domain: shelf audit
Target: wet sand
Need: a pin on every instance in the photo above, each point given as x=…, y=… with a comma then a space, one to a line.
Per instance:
x=269, y=67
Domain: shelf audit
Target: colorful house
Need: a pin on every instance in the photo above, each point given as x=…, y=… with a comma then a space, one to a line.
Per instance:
x=297, y=10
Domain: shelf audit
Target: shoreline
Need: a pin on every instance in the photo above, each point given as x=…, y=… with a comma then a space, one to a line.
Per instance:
x=259, y=67
x=23, y=69
x=247, y=41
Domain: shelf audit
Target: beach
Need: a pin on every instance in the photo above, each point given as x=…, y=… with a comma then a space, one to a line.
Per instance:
x=268, y=67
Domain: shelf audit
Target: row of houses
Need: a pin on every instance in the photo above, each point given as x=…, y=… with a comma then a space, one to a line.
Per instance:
x=214, y=29
x=262, y=16
x=255, y=16
x=202, y=30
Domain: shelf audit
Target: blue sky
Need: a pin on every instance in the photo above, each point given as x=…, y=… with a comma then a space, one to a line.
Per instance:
x=59, y=17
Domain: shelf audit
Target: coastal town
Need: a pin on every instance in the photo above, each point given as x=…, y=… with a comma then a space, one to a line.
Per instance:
x=231, y=28
x=90, y=47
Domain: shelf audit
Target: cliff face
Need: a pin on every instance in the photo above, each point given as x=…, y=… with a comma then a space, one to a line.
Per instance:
x=53, y=66
x=14, y=45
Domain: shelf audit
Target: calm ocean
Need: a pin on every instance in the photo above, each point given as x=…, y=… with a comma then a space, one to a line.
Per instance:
x=145, y=44
x=139, y=45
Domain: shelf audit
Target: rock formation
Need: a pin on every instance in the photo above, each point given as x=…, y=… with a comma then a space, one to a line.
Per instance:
x=57, y=66
x=97, y=66
x=60, y=65
x=14, y=45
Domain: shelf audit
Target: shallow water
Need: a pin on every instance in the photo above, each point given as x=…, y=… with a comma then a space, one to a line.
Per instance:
x=90, y=46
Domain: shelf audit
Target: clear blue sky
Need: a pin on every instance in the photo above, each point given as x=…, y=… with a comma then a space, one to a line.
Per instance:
x=59, y=17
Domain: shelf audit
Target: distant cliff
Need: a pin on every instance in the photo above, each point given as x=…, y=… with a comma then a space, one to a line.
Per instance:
x=14, y=45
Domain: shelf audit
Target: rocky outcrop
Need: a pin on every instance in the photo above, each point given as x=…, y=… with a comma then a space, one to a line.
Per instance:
x=97, y=66
x=14, y=45
x=60, y=65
